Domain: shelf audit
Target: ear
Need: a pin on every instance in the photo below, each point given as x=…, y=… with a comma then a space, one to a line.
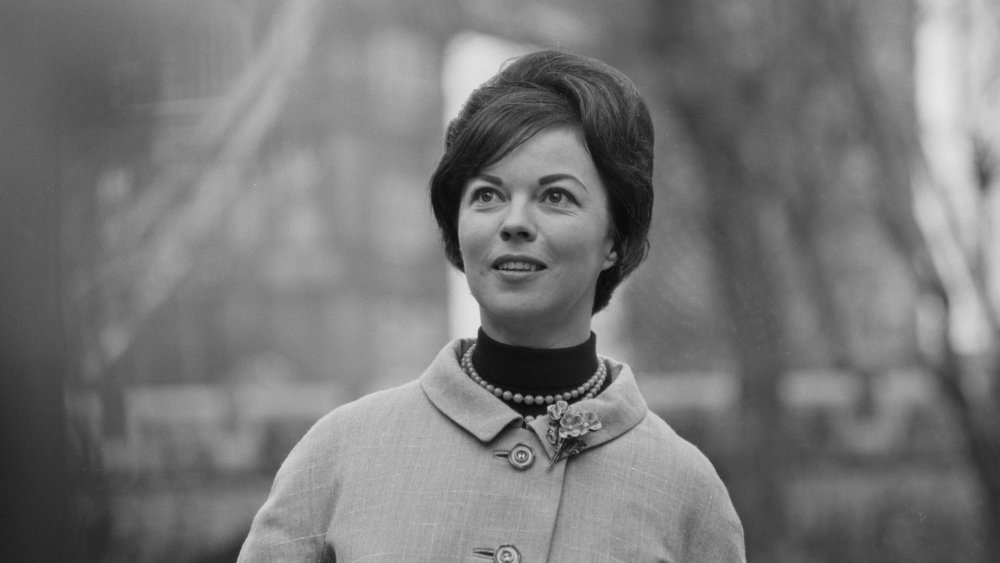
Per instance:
x=610, y=261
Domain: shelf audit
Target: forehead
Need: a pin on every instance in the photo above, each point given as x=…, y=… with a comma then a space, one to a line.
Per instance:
x=558, y=149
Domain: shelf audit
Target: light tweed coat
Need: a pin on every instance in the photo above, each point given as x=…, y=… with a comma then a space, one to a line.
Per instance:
x=419, y=473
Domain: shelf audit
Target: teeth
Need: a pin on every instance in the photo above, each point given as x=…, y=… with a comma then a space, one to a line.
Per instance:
x=518, y=266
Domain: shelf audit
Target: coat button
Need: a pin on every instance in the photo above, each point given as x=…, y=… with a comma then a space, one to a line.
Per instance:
x=507, y=554
x=521, y=457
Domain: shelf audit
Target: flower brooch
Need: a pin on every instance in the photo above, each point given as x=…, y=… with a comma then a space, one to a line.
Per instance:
x=567, y=427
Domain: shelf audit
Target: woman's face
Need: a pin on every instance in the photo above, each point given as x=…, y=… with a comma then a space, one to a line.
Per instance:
x=534, y=232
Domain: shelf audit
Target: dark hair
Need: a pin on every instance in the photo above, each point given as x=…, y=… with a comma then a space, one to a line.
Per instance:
x=552, y=88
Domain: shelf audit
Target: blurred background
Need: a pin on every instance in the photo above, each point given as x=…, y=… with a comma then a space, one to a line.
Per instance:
x=214, y=227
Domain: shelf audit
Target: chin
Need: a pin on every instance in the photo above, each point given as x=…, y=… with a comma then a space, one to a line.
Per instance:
x=516, y=313
x=528, y=315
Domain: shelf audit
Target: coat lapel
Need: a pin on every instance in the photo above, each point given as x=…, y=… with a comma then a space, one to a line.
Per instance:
x=619, y=408
x=461, y=399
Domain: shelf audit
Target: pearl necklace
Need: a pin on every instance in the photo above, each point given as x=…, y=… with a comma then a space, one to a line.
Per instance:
x=587, y=390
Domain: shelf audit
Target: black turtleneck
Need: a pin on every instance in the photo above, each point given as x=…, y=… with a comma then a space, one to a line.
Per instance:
x=535, y=371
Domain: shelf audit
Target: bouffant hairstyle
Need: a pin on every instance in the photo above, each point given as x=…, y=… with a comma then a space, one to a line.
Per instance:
x=546, y=89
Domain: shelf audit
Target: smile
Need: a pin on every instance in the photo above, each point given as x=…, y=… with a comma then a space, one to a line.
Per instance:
x=517, y=264
x=518, y=267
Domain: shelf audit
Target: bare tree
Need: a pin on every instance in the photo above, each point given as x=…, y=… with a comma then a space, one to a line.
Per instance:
x=748, y=81
x=918, y=218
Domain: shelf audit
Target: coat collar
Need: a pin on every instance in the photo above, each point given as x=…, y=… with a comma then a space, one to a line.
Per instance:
x=619, y=407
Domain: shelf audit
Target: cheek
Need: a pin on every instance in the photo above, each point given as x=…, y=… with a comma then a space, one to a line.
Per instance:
x=591, y=243
x=608, y=243
x=468, y=237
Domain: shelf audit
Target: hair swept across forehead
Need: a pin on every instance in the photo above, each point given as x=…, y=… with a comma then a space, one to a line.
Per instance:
x=542, y=90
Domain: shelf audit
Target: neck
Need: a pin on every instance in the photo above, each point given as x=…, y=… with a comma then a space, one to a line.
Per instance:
x=528, y=367
x=536, y=335
x=534, y=371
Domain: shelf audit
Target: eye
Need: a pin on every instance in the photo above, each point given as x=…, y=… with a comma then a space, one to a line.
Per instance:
x=557, y=196
x=484, y=194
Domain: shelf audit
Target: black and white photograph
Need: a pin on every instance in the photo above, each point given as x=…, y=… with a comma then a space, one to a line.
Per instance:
x=511, y=281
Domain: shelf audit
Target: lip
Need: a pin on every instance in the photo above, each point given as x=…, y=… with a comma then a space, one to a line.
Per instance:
x=495, y=264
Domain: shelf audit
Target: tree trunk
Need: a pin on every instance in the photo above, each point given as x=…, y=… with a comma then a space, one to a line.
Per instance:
x=747, y=271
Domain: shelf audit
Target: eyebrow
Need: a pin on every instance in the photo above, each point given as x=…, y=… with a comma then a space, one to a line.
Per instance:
x=490, y=178
x=557, y=177
x=544, y=180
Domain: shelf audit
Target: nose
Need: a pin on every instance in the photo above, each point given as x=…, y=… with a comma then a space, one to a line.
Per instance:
x=518, y=223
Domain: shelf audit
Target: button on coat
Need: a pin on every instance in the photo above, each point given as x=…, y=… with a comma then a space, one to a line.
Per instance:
x=507, y=554
x=520, y=456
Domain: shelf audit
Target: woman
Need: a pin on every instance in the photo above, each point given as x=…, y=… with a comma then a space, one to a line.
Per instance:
x=523, y=444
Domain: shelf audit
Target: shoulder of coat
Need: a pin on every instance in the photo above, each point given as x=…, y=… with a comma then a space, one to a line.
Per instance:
x=368, y=411
x=674, y=451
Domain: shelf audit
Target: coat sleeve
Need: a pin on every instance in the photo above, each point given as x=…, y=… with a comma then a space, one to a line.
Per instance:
x=714, y=531
x=293, y=522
